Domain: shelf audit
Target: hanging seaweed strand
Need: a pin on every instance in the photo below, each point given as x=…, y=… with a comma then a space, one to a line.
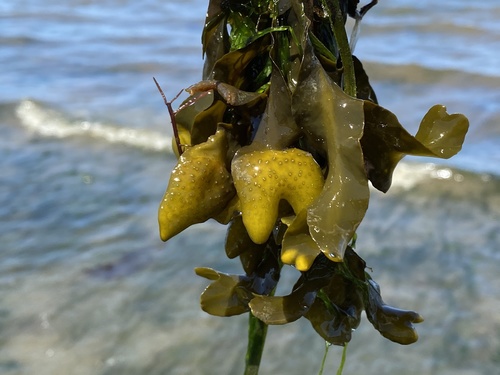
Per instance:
x=279, y=142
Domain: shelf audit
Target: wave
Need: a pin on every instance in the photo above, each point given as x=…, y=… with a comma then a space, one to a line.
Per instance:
x=48, y=122
x=457, y=26
x=408, y=175
x=439, y=190
x=421, y=74
x=17, y=40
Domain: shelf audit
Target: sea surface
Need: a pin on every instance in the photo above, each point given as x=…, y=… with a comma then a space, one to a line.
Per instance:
x=88, y=288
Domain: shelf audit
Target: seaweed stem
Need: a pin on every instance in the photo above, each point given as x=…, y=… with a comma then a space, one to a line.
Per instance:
x=342, y=360
x=257, y=331
x=367, y=7
x=171, y=112
x=327, y=346
x=337, y=24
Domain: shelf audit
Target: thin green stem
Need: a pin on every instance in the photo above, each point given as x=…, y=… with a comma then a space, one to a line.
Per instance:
x=342, y=361
x=337, y=24
x=257, y=331
x=327, y=346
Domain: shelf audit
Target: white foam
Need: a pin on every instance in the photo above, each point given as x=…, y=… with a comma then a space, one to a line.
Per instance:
x=50, y=123
x=407, y=175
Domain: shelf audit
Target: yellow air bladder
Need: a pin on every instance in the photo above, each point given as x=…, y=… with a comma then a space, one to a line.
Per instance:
x=262, y=178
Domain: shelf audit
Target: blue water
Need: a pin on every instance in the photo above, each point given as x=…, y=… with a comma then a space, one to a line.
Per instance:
x=87, y=287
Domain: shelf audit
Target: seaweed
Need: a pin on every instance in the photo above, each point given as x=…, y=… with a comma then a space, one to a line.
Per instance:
x=280, y=141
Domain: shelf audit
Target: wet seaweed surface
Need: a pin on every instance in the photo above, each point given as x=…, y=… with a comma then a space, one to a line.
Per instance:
x=270, y=144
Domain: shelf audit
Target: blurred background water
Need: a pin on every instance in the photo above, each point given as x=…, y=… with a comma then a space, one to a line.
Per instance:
x=86, y=285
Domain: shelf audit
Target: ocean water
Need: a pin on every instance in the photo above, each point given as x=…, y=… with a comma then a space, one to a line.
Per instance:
x=86, y=285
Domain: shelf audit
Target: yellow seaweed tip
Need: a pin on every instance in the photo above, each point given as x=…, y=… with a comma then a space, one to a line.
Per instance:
x=298, y=247
x=262, y=178
x=302, y=261
x=199, y=188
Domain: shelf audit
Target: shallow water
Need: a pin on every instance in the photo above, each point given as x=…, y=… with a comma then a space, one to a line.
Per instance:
x=87, y=287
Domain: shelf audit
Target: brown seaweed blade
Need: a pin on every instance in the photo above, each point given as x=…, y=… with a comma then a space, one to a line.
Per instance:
x=327, y=114
x=385, y=142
